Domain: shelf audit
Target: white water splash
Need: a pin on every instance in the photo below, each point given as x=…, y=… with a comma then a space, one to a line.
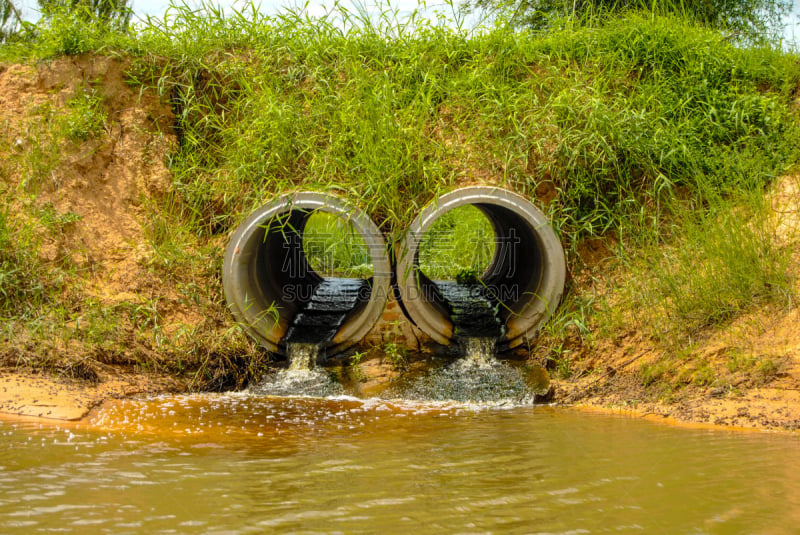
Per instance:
x=478, y=377
x=301, y=378
x=479, y=353
x=302, y=356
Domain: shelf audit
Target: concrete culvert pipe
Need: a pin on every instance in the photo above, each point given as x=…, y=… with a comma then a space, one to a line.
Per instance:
x=524, y=280
x=270, y=284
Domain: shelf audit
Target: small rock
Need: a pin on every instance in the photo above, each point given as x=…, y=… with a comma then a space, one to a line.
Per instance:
x=547, y=396
x=718, y=392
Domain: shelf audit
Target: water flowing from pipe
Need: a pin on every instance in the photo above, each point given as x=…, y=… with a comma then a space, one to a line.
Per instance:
x=302, y=356
x=477, y=377
x=301, y=378
x=479, y=352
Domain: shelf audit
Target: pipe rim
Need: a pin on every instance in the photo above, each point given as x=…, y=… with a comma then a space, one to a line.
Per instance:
x=237, y=280
x=522, y=325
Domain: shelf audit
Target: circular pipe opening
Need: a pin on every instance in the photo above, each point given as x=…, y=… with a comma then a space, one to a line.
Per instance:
x=459, y=245
x=525, y=278
x=270, y=285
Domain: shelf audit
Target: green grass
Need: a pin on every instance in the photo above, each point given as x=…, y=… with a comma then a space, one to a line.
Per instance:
x=458, y=244
x=718, y=263
x=85, y=117
x=647, y=128
x=50, y=316
x=684, y=285
x=618, y=117
x=334, y=248
x=21, y=283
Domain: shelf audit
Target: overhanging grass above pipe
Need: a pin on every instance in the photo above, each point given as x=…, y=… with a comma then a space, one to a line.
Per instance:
x=600, y=123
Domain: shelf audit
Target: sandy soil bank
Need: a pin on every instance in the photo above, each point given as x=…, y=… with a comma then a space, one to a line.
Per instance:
x=113, y=182
x=40, y=396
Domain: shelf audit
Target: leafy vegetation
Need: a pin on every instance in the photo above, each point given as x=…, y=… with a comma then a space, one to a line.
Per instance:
x=84, y=117
x=751, y=20
x=9, y=20
x=655, y=130
x=21, y=281
x=458, y=246
x=721, y=262
x=115, y=14
x=334, y=248
x=614, y=119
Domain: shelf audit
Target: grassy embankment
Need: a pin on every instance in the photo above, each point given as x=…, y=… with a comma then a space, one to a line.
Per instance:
x=655, y=135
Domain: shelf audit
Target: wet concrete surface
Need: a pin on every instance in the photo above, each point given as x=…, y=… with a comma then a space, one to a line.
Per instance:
x=472, y=311
x=326, y=311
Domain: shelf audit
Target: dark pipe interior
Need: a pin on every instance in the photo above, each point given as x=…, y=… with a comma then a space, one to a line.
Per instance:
x=515, y=272
x=472, y=310
x=315, y=307
x=333, y=300
x=509, y=283
x=290, y=281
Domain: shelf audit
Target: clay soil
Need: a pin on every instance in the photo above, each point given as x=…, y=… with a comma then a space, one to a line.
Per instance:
x=751, y=365
x=746, y=399
x=114, y=180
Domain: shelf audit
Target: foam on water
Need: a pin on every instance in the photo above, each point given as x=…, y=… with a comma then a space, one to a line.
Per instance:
x=301, y=378
x=313, y=383
x=477, y=378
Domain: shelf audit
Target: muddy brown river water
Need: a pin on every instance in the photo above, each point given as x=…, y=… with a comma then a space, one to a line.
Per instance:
x=236, y=463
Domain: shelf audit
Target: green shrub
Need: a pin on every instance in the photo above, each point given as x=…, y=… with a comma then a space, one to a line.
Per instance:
x=85, y=117
x=21, y=280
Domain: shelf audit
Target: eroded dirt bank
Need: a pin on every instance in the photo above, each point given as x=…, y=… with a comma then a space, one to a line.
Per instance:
x=99, y=278
x=743, y=396
x=98, y=212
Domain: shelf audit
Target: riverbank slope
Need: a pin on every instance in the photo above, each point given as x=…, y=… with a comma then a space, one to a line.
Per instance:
x=665, y=162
